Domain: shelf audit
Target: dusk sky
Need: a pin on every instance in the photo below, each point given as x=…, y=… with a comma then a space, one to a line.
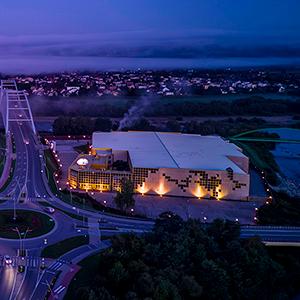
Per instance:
x=150, y=28
x=29, y=17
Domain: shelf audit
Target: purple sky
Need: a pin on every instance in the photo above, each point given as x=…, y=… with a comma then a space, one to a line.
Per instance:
x=150, y=28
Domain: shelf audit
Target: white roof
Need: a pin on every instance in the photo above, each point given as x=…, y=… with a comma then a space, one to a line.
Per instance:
x=172, y=150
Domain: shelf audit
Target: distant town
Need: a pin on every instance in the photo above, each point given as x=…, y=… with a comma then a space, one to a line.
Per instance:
x=161, y=83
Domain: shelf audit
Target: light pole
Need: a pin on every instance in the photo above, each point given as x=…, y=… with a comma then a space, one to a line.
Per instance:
x=83, y=202
x=24, y=237
x=71, y=196
x=20, y=237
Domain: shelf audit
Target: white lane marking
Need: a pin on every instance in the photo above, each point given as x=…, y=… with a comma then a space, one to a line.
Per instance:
x=13, y=287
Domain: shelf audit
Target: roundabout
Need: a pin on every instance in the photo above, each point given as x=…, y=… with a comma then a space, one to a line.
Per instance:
x=24, y=224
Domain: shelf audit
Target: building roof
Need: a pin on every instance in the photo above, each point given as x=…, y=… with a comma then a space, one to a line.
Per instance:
x=172, y=150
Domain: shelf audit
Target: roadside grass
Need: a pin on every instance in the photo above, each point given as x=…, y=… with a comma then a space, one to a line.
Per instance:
x=261, y=157
x=10, y=176
x=58, y=249
x=89, y=267
x=51, y=168
x=283, y=210
x=86, y=202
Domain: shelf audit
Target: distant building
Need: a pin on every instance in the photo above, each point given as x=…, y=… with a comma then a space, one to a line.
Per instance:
x=164, y=164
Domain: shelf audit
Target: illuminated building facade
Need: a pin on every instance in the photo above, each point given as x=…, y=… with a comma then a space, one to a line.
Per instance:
x=171, y=164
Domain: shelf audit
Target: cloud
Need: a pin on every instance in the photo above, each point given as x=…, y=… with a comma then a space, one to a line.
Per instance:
x=133, y=49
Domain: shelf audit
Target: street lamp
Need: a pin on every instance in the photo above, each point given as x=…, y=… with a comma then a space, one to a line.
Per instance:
x=71, y=195
x=20, y=237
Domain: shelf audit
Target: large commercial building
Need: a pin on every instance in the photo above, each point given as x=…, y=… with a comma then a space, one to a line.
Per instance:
x=164, y=164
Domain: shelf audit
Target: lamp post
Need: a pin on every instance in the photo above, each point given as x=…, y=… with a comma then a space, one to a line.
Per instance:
x=83, y=202
x=71, y=195
x=20, y=237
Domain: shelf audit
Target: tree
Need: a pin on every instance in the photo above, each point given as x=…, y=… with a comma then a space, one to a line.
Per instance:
x=191, y=260
x=103, y=124
x=173, y=126
x=124, y=198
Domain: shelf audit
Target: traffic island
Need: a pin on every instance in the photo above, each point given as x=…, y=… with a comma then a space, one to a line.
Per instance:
x=62, y=247
x=24, y=224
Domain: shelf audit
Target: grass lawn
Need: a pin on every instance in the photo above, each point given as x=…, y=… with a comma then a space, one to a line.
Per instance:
x=10, y=176
x=261, y=157
x=38, y=223
x=51, y=168
x=84, y=277
x=60, y=248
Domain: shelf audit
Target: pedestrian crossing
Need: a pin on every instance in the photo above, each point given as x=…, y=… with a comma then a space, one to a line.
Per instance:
x=55, y=266
x=29, y=262
x=32, y=262
x=59, y=289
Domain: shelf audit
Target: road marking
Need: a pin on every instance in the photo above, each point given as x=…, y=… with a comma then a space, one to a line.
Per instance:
x=22, y=282
x=13, y=287
x=60, y=290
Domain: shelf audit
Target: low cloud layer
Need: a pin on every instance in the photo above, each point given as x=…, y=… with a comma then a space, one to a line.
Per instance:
x=35, y=54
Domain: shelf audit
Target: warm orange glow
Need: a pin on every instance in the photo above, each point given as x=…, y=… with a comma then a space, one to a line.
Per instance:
x=222, y=194
x=161, y=190
x=142, y=189
x=198, y=192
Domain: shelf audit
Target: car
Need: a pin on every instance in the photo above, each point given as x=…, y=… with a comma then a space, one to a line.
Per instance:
x=26, y=142
x=166, y=215
x=49, y=209
x=7, y=260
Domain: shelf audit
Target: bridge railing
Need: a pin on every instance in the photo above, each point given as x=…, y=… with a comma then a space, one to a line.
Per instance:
x=9, y=93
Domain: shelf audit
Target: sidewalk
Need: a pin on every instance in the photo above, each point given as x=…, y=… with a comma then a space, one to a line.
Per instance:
x=70, y=270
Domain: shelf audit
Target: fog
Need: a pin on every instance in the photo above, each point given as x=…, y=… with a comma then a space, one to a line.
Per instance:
x=56, y=53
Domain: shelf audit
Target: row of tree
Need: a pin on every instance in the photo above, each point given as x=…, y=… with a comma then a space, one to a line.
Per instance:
x=252, y=106
x=257, y=106
x=80, y=125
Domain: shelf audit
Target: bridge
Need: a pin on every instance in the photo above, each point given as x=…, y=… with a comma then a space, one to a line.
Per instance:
x=29, y=177
x=14, y=105
x=242, y=137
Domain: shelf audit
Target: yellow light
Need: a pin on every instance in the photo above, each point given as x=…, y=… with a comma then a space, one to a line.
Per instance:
x=161, y=190
x=198, y=191
x=142, y=189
